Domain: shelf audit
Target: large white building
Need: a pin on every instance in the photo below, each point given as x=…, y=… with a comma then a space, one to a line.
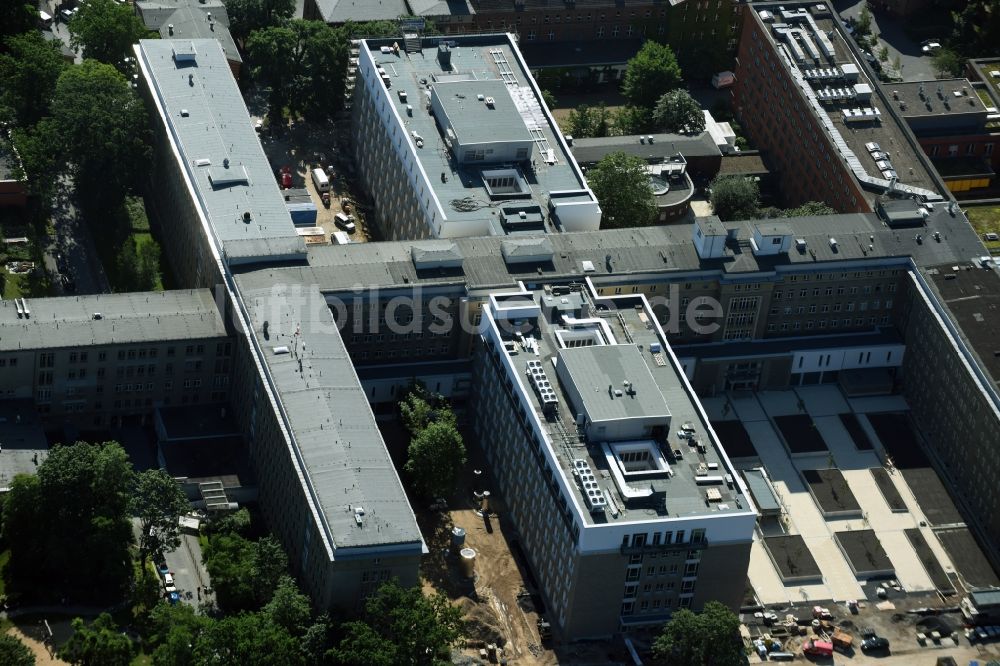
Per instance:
x=453, y=139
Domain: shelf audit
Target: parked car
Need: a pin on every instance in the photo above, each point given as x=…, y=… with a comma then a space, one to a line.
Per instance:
x=345, y=222
x=874, y=644
x=931, y=47
x=68, y=284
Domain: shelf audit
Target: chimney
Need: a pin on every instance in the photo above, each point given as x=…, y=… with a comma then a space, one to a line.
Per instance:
x=170, y=29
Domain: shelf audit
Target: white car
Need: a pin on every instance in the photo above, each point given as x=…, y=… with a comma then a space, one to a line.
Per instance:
x=931, y=47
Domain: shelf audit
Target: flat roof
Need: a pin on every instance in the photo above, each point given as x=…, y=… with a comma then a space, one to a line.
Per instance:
x=658, y=385
x=125, y=318
x=762, y=490
x=935, y=98
x=345, y=462
x=972, y=296
x=478, y=63
x=342, y=11
x=832, y=99
x=189, y=19
x=208, y=122
x=633, y=251
x=475, y=122
x=592, y=369
x=593, y=149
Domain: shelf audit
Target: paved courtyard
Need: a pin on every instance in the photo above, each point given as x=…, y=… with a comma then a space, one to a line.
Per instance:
x=802, y=515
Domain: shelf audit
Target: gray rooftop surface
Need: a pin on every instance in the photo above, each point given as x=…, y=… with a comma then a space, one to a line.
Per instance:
x=471, y=56
x=592, y=149
x=342, y=11
x=217, y=128
x=601, y=366
x=125, y=318
x=23, y=445
x=473, y=121
x=938, y=99
x=891, y=132
x=338, y=442
x=684, y=496
x=636, y=251
x=189, y=19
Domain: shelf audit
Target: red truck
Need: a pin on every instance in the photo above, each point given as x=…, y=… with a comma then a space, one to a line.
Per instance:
x=818, y=648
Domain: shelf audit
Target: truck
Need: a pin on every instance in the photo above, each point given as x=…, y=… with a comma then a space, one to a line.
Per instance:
x=841, y=639
x=817, y=648
x=320, y=180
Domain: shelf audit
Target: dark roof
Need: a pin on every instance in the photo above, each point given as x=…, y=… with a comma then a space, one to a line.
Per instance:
x=938, y=98
x=342, y=11
x=431, y=8
x=190, y=20
x=579, y=53
x=743, y=164
x=591, y=150
x=972, y=295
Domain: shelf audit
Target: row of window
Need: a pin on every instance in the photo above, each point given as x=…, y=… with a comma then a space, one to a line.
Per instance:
x=640, y=539
x=970, y=149
x=829, y=291
x=833, y=323
x=628, y=607
x=863, y=306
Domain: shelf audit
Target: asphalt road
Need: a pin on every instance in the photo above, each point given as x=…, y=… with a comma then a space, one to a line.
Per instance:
x=189, y=573
x=915, y=65
x=73, y=240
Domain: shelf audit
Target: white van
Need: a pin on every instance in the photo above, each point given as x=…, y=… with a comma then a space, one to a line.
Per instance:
x=345, y=222
x=340, y=238
x=45, y=19
x=320, y=180
x=723, y=80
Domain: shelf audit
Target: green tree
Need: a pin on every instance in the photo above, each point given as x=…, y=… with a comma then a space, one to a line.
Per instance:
x=127, y=266
x=172, y=631
x=304, y=64
x=621, y=184
x=37, y=148
x=651, y=73
x=863, y=27
x=100, y=644
x=710, y=638
x=976, y=28
x=401, y=626
x=244, y=573
x=237, y=522
x=588, y=121
x=289, y=608
x=809, y=208
x=157, y=501
x=248, y=639
x=15, y=653
x=102, y=131
x=68, y=528
x=735, y=198
x=106, y=31
x=549, y=99
x=676, y=111
x=435, y=459
x=883, y=53
x=29, y=68
x=947, y=63
x=149, y=265
x=632, y=120
x=17, y=17
x=248, y=16
x=419, y=407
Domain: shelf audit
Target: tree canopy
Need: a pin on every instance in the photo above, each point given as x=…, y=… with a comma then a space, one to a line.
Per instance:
x=157, y=501
x=100, y=124
x=710, y=638
x=106, y=31
x=97, y=644
x=244, y=573
x=248, y=16
x=67, y=527
x=419, y=408
x=436, y=457
x=586, y=121
x=678, y=112
x=29, y=68
x=651, y=73
x=977, y=26
x=304, y=63
x=401, y=626
x=247, y=639
x=735, y=198
x=288, y=607
x=13, y=652
x=947, y=63
x=621, y=184
x=17, y=17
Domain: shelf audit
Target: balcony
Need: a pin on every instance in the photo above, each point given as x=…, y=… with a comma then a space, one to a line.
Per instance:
x=663, y=548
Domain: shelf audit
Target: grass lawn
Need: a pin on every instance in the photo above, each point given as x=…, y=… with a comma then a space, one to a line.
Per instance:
x=130, y=219
x=4, y=558
x=985, y=219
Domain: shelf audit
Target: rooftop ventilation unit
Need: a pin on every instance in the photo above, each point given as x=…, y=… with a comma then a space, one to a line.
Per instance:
x=543, y=387
x=592, y=493
x=491, y=103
